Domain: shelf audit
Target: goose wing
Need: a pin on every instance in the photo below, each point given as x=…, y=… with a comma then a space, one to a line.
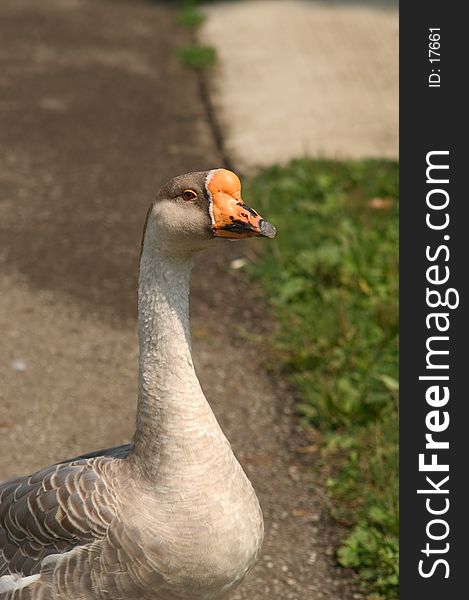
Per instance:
x=53, y=511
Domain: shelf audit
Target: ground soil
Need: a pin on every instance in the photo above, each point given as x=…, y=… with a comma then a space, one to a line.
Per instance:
x=96, y=112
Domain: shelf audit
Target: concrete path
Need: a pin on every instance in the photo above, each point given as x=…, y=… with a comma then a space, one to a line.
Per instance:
x=95, y=113
x=305, y=77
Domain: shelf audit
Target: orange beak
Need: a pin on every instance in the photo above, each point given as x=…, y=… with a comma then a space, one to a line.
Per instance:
x=231, y=218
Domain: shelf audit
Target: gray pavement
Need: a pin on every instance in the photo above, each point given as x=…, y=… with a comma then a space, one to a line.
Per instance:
x=305, y=77
x=95, y=113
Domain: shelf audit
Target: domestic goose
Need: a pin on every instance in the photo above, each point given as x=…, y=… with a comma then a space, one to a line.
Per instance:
x=171, y=515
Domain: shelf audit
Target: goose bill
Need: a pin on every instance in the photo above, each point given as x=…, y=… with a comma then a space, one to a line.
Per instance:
x=234, y=219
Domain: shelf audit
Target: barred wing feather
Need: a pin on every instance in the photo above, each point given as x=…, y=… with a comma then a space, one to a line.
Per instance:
x=53, y=511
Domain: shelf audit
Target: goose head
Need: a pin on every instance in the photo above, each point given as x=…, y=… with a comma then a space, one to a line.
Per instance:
x=193, y=209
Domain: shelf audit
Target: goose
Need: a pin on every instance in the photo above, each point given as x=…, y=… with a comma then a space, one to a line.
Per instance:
x=171, y=515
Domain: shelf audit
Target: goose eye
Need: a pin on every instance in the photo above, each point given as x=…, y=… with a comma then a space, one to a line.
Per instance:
x=189, y=195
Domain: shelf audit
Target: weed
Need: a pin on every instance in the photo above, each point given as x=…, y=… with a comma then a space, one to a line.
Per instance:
x=194, y=56
x=197, y=57
x=189, y=15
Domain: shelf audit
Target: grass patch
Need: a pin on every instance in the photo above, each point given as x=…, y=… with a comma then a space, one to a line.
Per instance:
x=190, y=15
x=332, y=278
x=197, y=57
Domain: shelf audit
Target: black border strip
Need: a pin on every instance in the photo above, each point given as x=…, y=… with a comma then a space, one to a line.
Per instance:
x=433, y=119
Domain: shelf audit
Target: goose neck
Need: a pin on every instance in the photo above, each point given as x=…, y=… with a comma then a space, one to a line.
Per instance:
x=170, y=397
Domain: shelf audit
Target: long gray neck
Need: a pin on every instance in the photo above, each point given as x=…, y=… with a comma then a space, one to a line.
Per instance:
x=173, y=413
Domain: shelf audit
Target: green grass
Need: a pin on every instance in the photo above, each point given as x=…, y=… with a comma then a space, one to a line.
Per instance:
x=195, y=55
x=332, y=279
x=189, y=14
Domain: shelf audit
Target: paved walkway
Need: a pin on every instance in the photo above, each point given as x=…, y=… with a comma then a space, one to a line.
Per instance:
x=95, y=113
x=305, y=77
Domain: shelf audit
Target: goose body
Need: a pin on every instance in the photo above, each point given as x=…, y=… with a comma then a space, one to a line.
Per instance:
x=171, y=515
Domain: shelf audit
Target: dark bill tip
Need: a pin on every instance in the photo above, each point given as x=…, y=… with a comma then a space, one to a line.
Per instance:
x=267, y=229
